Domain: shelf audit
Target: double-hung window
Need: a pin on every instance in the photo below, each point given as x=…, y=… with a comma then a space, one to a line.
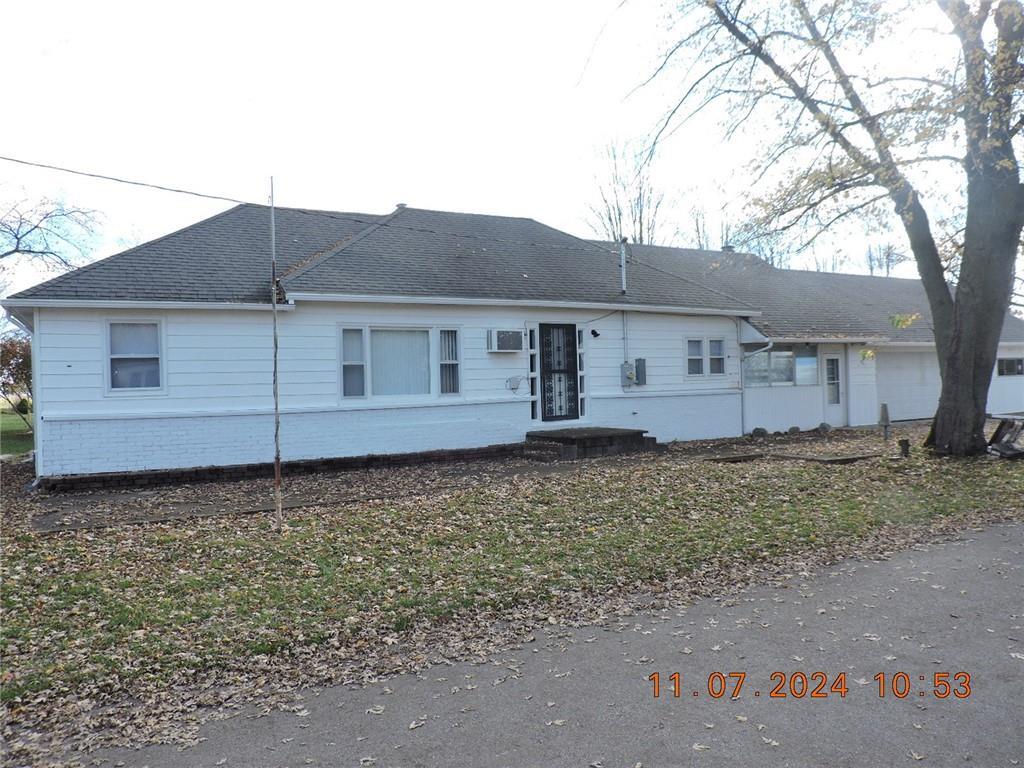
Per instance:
x=716, y=357
x=449, y=361
x=134, y=355
x=694, y=357
x=353, y=363
x=705, y=356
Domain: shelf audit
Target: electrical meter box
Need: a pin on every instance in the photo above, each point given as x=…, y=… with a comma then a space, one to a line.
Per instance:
x=628, y=371
x=640, y=371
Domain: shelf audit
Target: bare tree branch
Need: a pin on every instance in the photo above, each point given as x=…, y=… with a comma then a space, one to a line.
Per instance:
x=48, y=232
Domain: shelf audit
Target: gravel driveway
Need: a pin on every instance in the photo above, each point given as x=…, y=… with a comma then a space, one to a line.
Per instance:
x=583, y=697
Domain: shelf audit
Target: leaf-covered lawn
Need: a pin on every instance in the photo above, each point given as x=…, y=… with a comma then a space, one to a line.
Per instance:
x=96, y=614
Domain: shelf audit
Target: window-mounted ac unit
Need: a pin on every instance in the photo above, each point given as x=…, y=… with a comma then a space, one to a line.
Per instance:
x=504, y=341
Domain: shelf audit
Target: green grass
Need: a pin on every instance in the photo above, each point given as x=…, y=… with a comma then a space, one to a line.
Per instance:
x=15, y=437
x=144, y=604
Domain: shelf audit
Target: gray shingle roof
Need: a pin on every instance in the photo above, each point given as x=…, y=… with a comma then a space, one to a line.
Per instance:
x=808, y=305
x=419, y=253
x=425, y=253
x=411, y=252
x=225, y=258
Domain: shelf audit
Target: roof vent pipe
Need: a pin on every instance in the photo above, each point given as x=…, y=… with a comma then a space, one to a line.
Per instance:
x=728, y=248
x=622, y=262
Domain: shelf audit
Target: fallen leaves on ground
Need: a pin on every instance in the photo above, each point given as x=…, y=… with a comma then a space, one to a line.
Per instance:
x=133, y=633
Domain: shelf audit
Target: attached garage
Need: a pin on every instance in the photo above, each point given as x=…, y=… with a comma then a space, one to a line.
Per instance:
x=909, y=382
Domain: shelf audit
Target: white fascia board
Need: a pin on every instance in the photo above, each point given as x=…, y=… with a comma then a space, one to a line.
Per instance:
x=82, y=304
x=908, y=344
x=659, y=308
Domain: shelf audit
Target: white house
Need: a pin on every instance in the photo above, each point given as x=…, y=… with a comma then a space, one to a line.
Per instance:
x=424, y=330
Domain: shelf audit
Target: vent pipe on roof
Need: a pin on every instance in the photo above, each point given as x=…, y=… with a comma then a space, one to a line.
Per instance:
x=729, y=248
x=622, y=262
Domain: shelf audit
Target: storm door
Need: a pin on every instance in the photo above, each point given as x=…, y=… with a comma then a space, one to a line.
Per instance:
x=559, y=376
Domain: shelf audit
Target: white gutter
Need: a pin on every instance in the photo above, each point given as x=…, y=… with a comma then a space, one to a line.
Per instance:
x=376, y=299
x=830, y=340
x=753, y=352
x=83, y=304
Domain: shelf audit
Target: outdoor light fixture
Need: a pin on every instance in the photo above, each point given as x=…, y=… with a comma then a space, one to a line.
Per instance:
x=594, y=332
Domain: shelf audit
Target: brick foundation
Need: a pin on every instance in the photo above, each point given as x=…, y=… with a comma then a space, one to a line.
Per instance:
x=243, y=471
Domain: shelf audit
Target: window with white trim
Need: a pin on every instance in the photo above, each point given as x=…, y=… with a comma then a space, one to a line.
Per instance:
x=449, y=361
x=353, y=363
x=399, y=361
x=134, y=355
x=705, y=357
x=694, y=357
x=716, y=357
x=783, y=364
x=1010, y=366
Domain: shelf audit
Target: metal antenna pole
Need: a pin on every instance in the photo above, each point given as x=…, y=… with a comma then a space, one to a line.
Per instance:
x=278, y=515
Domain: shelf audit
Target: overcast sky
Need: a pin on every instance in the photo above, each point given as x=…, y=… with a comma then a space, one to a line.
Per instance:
x=466, y=106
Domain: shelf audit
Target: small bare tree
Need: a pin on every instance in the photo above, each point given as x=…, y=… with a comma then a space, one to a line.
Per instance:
x=701, y=235
x=49, y=233
x=856, y=132
x=882, y=259
x=629, y=202
x=833, y=261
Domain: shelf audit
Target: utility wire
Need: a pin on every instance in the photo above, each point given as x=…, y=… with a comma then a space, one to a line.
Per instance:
x=121, y=181
x=584, y=245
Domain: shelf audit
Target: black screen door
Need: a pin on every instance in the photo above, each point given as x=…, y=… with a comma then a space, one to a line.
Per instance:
x=559, y=382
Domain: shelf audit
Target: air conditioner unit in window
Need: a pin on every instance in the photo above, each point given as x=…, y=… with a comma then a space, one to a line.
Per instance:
x=504, y=341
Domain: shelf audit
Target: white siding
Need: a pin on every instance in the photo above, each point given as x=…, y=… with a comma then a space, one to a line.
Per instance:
x=909, y=381
x=216, y=405
x=780, y=407
x=777, y=408
x=1006, y=395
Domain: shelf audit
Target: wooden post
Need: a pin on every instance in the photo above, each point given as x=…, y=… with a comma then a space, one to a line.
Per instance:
x=278, y=514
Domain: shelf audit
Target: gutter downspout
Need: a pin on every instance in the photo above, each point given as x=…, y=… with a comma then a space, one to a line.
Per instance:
x=37, y=402
x=625, y=336
x=743, y=391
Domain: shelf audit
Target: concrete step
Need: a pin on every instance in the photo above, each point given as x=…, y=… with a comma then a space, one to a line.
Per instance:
x=588, y=442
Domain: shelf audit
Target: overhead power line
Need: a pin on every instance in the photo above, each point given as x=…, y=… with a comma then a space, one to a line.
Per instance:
x=579, y=245
x=121, y=181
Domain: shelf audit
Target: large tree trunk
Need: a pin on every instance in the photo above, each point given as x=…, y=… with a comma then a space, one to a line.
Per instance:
x=994, y=217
